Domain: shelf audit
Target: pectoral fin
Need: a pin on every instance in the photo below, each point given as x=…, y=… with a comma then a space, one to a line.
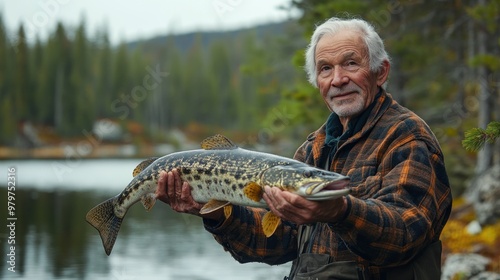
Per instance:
x=213, y=205
x=228, y=209
x=270, y=223
x=253, y=191
x=148, y=200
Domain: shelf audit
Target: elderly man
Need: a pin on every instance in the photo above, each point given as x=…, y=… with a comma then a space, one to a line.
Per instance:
x=389, y=226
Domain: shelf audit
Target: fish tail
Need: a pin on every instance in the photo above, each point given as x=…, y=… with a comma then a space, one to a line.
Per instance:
x=103, y=218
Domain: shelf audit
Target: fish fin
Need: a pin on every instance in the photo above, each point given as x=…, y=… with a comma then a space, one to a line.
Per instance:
x=143, y=165
x=148, y=200
x=218, y=142
x=228, y=210
x=253, y=191
x=103, y=218
x=213, y=205
x=270, y=223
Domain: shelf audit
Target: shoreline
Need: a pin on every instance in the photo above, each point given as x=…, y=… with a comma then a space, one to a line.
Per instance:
x=101, y=151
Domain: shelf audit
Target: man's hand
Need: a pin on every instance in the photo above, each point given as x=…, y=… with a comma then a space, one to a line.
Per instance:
x=292, y=207
x=177, y=194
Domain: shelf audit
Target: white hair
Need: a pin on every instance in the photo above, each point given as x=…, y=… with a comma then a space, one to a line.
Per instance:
x=374, y=44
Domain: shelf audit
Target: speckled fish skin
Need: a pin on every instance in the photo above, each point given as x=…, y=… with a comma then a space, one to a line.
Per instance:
x=219, y=174
x=212, y=174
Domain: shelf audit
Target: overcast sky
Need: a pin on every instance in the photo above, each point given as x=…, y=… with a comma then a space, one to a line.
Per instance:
x=127, y=20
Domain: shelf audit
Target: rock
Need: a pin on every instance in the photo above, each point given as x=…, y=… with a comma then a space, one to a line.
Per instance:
x=463, y=266
x=473, y=228
x=484, y=194
x=486, y=275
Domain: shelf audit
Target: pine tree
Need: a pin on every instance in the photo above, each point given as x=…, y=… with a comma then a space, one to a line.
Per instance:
x=80, y=103
x=22, y=78
x=4, y=60
x=102, y=75
x=485, y=15
x=192, y=97
x=7, y=125
x=219, y=77
x=175, y=68
x=476, y=138
x=121, y=106
x=60, y=56
x=38, y=100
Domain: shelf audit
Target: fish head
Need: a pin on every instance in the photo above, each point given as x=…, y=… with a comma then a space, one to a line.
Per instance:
x=307, y=181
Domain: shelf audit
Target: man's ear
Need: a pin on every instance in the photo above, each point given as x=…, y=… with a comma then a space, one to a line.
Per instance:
x=383, y=73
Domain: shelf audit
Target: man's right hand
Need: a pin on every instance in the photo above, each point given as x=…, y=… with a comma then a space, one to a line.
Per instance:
x=177, y=194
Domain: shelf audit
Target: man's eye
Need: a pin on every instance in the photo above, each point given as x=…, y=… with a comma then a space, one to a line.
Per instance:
x=325, y=70
x=351, y=65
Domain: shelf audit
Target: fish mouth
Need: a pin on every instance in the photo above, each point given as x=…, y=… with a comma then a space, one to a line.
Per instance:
x=326, y=190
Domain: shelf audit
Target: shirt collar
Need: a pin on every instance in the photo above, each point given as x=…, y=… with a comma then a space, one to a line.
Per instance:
x=334, y=129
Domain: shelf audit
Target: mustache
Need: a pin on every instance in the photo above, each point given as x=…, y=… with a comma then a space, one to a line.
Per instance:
x=333, y=91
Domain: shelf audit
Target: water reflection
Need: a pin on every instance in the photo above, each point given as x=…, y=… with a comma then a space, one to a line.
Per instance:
x=53, y=241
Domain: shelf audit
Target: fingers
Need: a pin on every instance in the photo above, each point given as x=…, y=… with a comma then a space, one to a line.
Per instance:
x=282, y=199
x=185, y=192
x=174, y=184
x=161, y=190
x=169, y=186
x=191, y=206
x=276, y=201
x=287, y=205
x=173, y=191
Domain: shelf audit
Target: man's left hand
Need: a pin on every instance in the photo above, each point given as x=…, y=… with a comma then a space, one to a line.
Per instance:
x=292, y=207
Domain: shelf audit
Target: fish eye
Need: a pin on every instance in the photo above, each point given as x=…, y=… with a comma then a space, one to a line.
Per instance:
x=307, y=173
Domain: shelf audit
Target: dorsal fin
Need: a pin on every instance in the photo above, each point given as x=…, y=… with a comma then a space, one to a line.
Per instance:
x=143, y=165
x=218, y=142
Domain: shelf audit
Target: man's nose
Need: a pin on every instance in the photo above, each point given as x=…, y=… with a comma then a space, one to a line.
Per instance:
x=339, y=77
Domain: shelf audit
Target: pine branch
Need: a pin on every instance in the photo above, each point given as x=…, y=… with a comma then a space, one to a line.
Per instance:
x=475, y=138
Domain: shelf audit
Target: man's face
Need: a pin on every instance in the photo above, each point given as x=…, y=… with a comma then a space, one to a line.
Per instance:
x=343, y=72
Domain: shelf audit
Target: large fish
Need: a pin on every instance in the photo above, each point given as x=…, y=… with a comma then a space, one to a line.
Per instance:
x=220, y=174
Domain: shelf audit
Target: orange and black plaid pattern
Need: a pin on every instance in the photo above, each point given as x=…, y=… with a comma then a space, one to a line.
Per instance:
x=400, y=199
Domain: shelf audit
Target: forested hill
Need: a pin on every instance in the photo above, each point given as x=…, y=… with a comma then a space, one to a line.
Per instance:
x=186, y=40
x=212, y=81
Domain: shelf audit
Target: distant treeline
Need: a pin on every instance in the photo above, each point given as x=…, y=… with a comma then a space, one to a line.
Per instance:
x=69, y=80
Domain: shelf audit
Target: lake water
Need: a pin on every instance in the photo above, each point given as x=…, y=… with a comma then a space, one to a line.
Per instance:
x=53, y=240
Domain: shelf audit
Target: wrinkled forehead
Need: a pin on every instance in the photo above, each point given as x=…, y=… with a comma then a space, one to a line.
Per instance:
x=342, y=42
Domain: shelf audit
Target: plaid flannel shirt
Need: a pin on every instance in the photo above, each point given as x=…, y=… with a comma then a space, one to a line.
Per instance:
x=399, y=204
